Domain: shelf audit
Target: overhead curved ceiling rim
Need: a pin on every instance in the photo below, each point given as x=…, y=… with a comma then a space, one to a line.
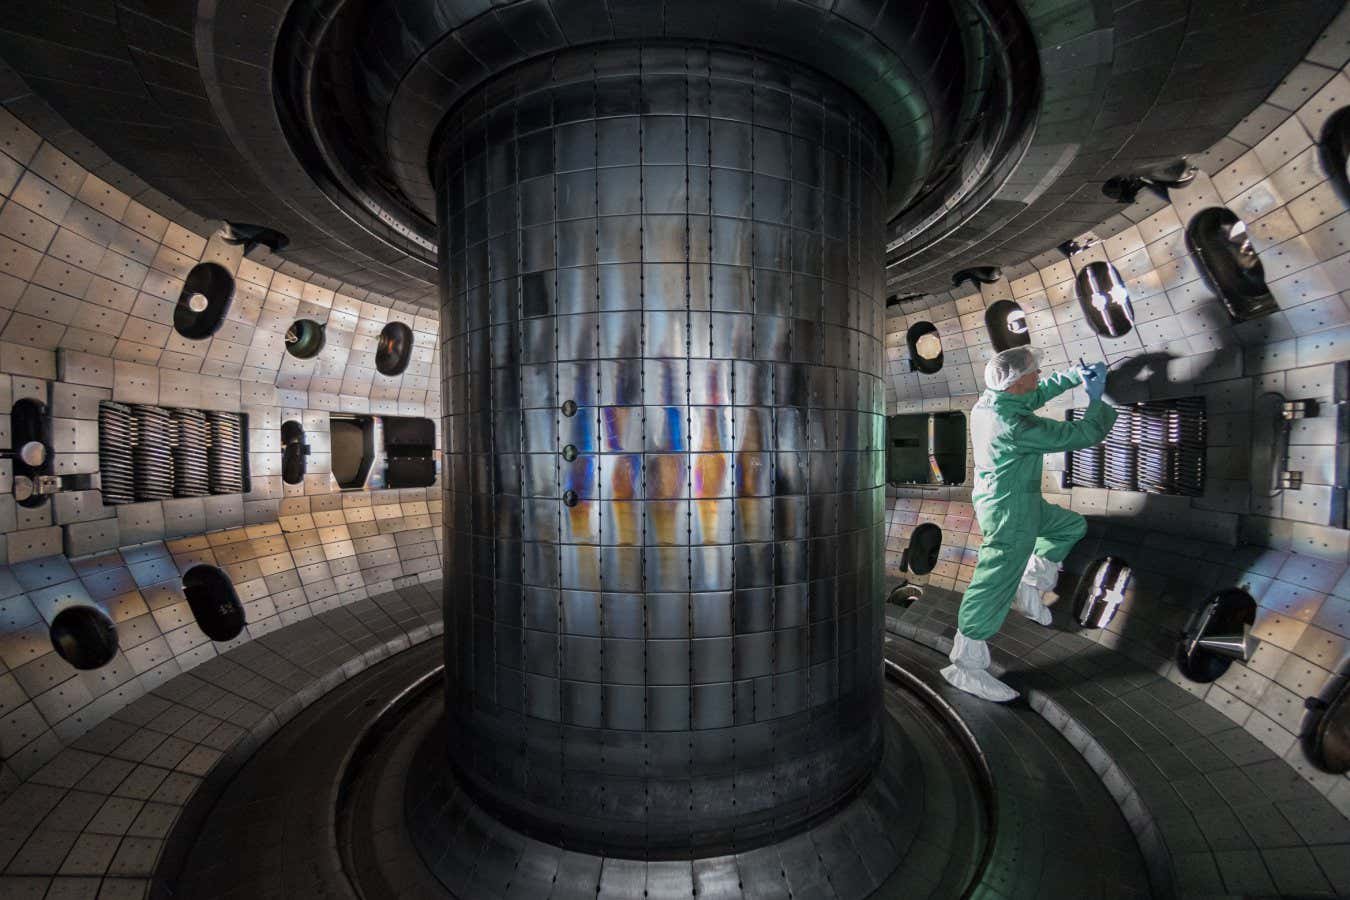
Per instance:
x=1018, y=220
x=1015, y=137
x=412, y=173
x=415, y=238
x=406, y=276
x=426, y=55
x=207, y=67
x=1021, y=222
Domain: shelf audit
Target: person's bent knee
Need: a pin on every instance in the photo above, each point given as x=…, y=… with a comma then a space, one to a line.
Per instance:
x=1079, y=529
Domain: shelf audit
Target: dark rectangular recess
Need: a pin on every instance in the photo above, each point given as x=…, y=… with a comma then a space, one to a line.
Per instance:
x=926, y=448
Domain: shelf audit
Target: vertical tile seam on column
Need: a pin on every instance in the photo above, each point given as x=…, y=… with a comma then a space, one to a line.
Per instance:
x=491, y=409
x=643, y=504
x=710, y=265
x=522, y=444
x=465, y=661
x=731, y=489
x=597, y=435
x=737, y=410
x=853, y=168
x=772, y=366
x=817, y=149
x=688, y=438
x=561, y=641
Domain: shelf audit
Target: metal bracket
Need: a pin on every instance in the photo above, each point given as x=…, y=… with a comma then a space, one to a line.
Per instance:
x=1235, y=646
x=26, y=488
x=1299, y=409
x=1072, y=247
x=904, y=595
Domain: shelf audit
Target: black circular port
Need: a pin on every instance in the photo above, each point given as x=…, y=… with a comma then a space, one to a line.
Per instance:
x=203, y=302
x=925, y=347
x=305, y=338
x=570, y=498
x=394, y=349
x=1334, y=147
x=1234, y=610
x=1327, y=741
x=1105, y=300
x=921, y=557
x=214, y=603
x=1007, y=325
x=84, y=636
x=1106, y=586
x=570, y=452
x=569, y=408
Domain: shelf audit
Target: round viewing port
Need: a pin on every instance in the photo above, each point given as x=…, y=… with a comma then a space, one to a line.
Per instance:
x=925, y=544
x=213, y=602
x=925, y=347
x=203, y=302
x=394, y=349
x=305, y=338
x=84, y=637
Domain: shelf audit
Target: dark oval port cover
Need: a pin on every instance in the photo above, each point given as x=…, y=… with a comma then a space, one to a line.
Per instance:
x=84, y=637
x=214, y=603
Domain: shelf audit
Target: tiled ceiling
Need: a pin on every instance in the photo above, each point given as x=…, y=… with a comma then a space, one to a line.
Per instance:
x=1125, y=90
x=172, y=103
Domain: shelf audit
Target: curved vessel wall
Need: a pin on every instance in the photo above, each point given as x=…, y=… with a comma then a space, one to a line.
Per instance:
x=664, y=303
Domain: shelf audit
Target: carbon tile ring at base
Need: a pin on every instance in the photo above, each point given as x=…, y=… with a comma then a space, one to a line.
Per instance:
x=319, y=811
x=916, y=830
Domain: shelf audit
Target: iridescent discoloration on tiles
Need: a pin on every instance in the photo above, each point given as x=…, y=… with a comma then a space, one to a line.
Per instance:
x=668, y=639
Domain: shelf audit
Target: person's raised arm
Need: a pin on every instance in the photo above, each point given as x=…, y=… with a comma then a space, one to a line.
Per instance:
x=1034, y=434
x=1053, y=386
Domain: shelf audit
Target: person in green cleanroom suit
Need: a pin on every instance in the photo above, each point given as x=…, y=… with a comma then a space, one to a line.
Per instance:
x=1025, y=538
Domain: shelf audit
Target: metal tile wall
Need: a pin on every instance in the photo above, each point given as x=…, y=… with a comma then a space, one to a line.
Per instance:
x=685, y=245
x=1269, y=173
x=88, y=281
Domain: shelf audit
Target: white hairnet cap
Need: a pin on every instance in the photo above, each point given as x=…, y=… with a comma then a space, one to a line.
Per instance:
x=1008, y=366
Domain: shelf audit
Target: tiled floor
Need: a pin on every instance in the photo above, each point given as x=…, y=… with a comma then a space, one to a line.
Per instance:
x=1059, y=835
x=1215, y=812
x=96, y=820
x=271, y=834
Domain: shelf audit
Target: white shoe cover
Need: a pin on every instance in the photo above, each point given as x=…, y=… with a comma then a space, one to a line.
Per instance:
x=969, y=671
x=1027, y=601
x=1041, y=573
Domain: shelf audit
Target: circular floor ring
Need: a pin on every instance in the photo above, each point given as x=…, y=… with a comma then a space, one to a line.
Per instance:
x=319, y=808
x=926, y=796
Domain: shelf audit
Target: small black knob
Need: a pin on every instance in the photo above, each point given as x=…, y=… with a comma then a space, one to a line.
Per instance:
x=569, y=408
x=570, y=452
x=569, y=498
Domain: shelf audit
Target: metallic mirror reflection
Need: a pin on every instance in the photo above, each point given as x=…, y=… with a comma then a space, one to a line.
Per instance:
x=1105, y=299
x=1106, y=587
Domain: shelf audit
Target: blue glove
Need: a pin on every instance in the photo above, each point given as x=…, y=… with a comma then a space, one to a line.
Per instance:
x=1094, y=380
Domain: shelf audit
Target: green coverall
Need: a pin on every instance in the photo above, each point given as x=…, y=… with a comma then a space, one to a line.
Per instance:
x=1008, y=444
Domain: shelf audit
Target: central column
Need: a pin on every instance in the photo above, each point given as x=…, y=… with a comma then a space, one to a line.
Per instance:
x=662, y=306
